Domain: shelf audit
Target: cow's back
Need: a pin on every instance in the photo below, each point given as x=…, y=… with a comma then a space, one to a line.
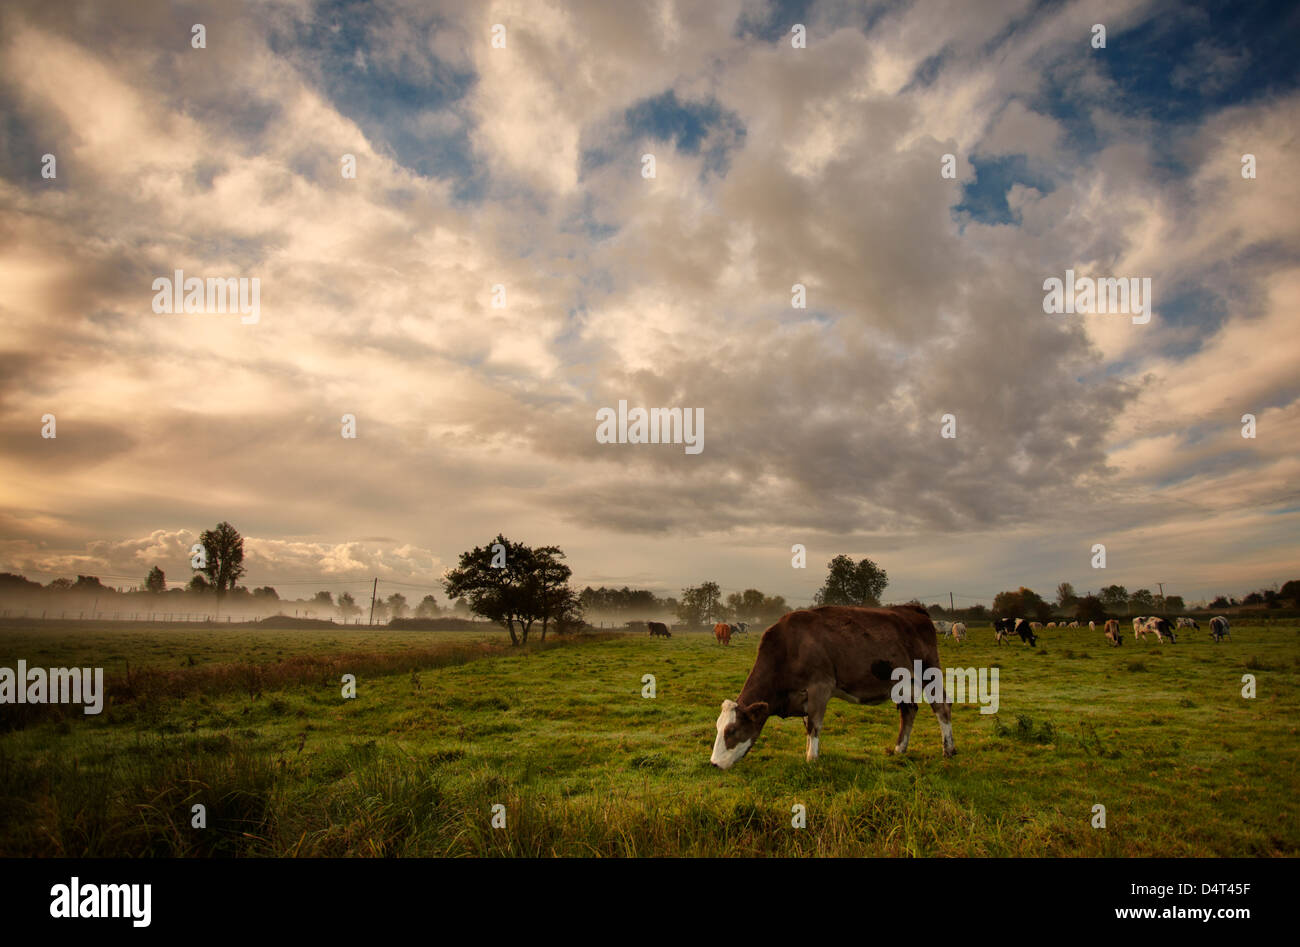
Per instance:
x=855, y=648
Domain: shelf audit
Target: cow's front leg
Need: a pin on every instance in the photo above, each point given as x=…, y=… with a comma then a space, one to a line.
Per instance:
x=907, y=714
x=818, y=698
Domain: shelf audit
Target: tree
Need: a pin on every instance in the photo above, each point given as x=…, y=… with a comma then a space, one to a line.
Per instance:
x=1065, y=596
x=1115, y=598
x=323, y=599
x=224, y=548
x=1254, y=598
x=550, y=585
x=1022, y=603
x=348, y=606
x=1219, y=602
x=528, y=586
x=428, y=607
x=1291, y=590
x=1175, y=603
x=156, y=581
x=1142, y=602
x=1089, y=608
x=266, y=592
x=700, y=604
x=396, y=604
x=850, y=583
x=753, y=606
x=198, y=584
x=91, y=584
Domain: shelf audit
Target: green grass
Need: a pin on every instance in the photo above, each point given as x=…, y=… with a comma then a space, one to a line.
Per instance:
x=251, y=724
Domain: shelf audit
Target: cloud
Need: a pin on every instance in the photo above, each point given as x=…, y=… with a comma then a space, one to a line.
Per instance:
x=520, y=167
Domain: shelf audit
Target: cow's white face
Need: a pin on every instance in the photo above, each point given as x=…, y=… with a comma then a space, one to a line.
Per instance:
x=734, y=736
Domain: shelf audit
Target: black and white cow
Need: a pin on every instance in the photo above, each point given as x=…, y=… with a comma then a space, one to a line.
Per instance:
x=1188, y=623
x=1219, y=628
x=1161, y=629
x=1005, y=627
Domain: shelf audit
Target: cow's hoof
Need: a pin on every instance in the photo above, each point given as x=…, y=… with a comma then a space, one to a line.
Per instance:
x=949, y=754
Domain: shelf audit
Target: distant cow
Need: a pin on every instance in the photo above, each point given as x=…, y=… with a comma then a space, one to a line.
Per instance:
x=1004, y=627
x=722, y=632
x=739, y=627
x=1161, y=629
x=943, y=627
x=814, y=654
x=1052, y=624
x=1074, y=624
x=1092, y=626
x=659, y=628
x=1112, y=633
x=1188, y=623
x=959, y=631
x=1139, y=626
x=1219, y=628
x=1036, y=625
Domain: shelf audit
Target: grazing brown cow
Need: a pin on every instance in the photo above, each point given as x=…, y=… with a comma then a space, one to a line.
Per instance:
x=722, y=632
x=814, y=654
x=1112, y=633
x=659, y=628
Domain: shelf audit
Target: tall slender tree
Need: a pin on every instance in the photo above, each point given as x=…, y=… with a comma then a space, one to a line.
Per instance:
x=224, y=551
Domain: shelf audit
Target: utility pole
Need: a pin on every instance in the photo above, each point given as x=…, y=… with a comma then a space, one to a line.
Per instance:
x=1161, y=586
x=951, y=607
x=373, y=590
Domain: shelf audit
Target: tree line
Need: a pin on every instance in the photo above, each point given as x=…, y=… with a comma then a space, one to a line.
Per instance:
x=522, y=587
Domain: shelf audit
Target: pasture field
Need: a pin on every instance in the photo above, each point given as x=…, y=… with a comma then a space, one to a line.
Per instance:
x=445, y=725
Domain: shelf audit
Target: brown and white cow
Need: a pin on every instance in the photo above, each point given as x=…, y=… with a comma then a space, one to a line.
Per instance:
x=659, y=628
x=722, y=632
x=814, y=654
x=959, y=630
x=1112, y=633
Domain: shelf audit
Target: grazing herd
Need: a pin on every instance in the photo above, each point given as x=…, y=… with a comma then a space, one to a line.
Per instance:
x=813, y=654
x=1005, y=628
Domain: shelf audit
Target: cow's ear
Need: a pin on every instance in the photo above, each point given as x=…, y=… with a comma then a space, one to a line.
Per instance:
x=756, y=710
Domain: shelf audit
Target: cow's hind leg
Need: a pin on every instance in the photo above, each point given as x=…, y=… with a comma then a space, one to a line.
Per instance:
x=943, y=710
x=907, y=715
x=818, y=698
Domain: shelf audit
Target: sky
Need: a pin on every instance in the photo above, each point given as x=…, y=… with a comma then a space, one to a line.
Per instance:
x=501, y=268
